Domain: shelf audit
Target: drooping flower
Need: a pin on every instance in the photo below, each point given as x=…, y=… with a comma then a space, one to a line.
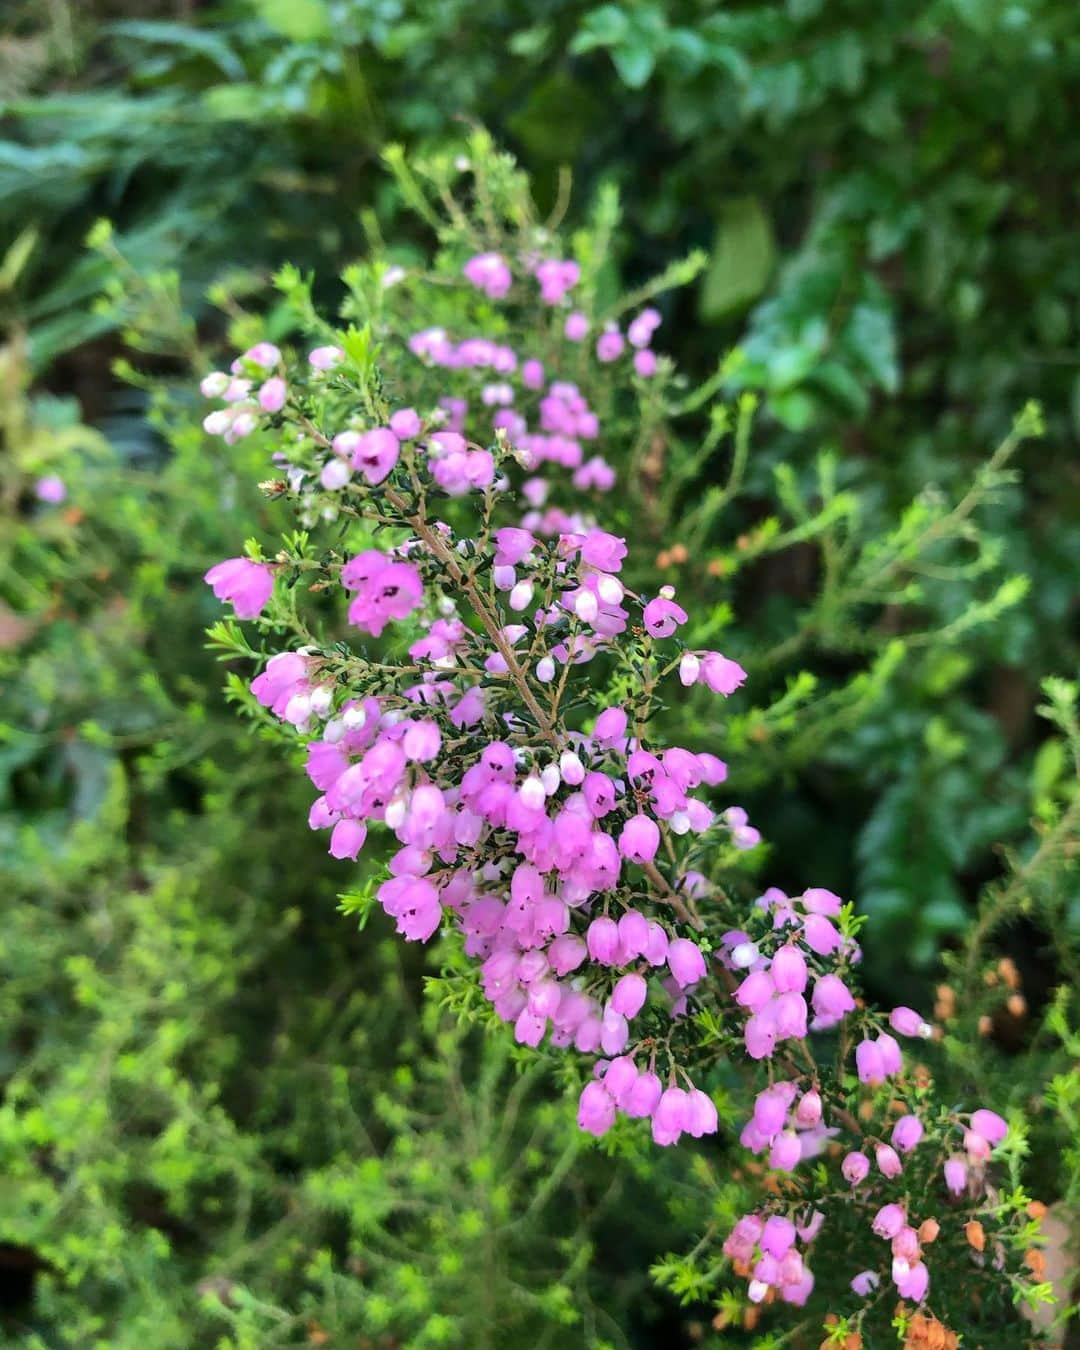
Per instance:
x=247, y=584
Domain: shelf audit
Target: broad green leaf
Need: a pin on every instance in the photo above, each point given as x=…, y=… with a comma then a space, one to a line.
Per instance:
x=743, y=254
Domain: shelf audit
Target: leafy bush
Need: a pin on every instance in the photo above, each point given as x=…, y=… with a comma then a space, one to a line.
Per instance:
x=471, y=744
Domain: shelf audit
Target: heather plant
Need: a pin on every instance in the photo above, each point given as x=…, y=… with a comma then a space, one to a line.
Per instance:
x=869, y=196
x=206, y=1136
x=476, y=667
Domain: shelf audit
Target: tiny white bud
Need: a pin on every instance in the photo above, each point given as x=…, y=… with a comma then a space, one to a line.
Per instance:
x=744, y=955
x=214, y=384
x=532, y=793
x=545, y=669
x=298, y=709
x=217, y=423
x=571, y=768
x=354, y=717
x=521, y=596
x=333, y=731
x=549, y=776
x=689, y=668
x=321, y=699
x=395, y=812
x=679, y=822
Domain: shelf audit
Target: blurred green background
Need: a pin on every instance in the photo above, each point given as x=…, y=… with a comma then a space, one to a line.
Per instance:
x=207, y=1135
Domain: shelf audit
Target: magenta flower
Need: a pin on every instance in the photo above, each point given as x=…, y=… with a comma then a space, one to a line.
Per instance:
x=610, y=727
x=645, y=364
x=374, y=453
x=602, y=938
x=788, y=970
x=831, y=998
x=609, y=345
x=629, y=994
x=956, y=1175
x=51, y=489
x=865, y=1283
x=596, y=1109
x=907, y=1022
x=326, y=358
x=868, y=1063
x=907, y=1132
x=347, y=839
x=532, y=374
x=640, y=839
x=671, y=1116
x=406, y=424
x=990, y=1125
x=662, y=616
x=644, y=1096
x=685, y=961
x=556, y=277
x=246, y=584
x=911, y=1281
x=272, y=395
x=576, y=326
x=642, y=327
x=777, y=1237
x=489, y=273
x=385, y=590
x=855, y=1168
x=888, y=1221
x=722, y=675
x=786, y=1151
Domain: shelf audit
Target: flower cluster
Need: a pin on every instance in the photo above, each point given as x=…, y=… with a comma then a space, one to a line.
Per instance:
x=549, y=825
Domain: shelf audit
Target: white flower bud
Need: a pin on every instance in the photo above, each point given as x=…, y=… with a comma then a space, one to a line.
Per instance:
x=744, y=955
x=521, y=596
x=532, y=793
x=545, y=669
x=610, y=589
x=586, y=606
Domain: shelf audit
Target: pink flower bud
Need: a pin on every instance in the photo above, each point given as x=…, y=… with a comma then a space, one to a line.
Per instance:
x=639, y=839
x=892, y=1059
x=272, y=395
x=808, y=1111
x=620, y=1077
x=596, y=1109
x=770, y=1112
x=755, y=991
x=629, y=995
x=868, y=1063
x=831, y=998
x=820, y=934
x=907, y=1132
x=990, y=1125
x=670, y=1117
x=907, y=1022
x=778, y=1236
x=685, y=962
x=785, y=1152
x=566, y=953
x=956, y=1175
x=788, y=970
x=643, y=1097
x=602, y=938
x=888, y=1160
x=855, y=1168
x=889, y=1220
